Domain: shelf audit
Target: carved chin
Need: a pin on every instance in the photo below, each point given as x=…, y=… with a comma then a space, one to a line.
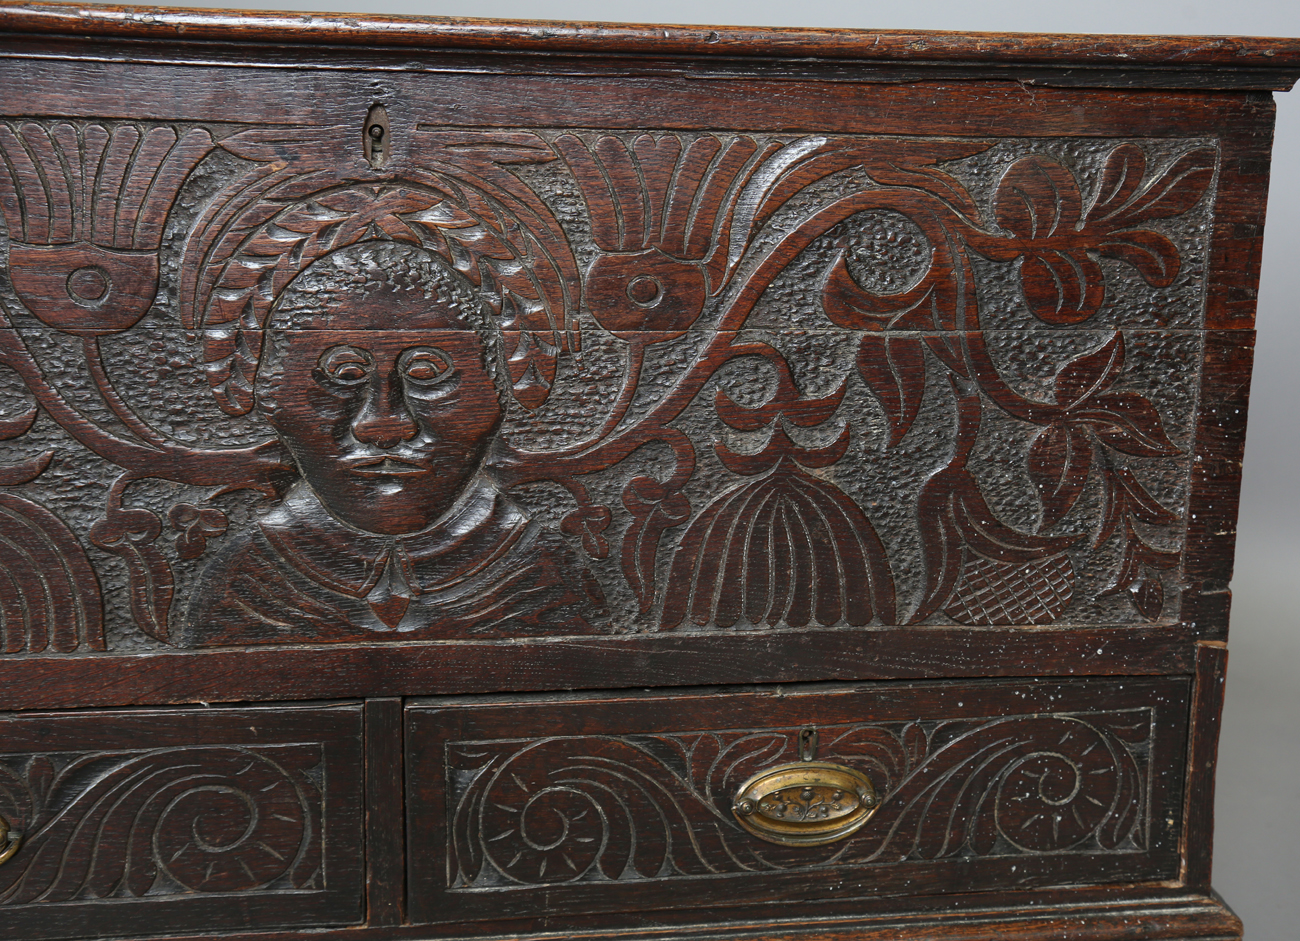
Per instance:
x=391, y=505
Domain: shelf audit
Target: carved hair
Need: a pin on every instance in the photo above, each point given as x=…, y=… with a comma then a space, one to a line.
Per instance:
x=321, y=294
x=247, y=267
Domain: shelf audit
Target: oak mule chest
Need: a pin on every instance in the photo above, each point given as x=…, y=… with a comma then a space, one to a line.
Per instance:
x=466, y=479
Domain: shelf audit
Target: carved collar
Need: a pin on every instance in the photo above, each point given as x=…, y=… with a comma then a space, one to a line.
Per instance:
x=477, y=531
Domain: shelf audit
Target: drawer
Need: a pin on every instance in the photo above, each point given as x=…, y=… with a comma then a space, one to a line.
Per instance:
x=181, y=820
x=580, y=806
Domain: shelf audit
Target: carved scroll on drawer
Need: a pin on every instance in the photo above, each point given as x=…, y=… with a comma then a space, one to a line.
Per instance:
x=705, y=380
x=180, y=820
x=976, y=784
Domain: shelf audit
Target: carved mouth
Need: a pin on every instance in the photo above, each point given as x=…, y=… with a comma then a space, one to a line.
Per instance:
x=388, y=467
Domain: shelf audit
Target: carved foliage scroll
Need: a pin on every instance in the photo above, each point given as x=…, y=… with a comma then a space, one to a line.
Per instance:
x=164, y=822
x=186, y=820
x=612, y=808
x=746, y=381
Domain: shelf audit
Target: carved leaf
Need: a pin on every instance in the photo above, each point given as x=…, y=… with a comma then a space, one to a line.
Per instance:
x=1138, y=569
x=1090, y=373
x=130, y=534
x=654, y=509
x=1127, y=422
x=1059, y=461
x=920, y=174
x=26, y=471
x=1153, y=255
x=1174, y=192
x=894, y=370
x=18, y=424
x=1037, y=198
x=1062, y=287
x=589, y=524
x=780, y=446
x=195, y=525
x=1139, y=502
x=1148, y=596
x=848, y=305
x=1120, y=178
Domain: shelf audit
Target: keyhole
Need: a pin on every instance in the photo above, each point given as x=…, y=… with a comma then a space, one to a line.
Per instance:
x=375, y=138
x=807, y=744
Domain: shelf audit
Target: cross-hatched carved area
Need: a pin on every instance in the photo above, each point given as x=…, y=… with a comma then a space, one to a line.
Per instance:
x=541, y=382
x=998, y=593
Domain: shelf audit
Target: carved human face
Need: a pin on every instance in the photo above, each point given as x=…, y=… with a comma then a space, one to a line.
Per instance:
x=386, y=425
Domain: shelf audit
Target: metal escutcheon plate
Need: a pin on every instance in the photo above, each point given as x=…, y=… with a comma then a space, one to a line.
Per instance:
x=9, y=840
x=805, y=803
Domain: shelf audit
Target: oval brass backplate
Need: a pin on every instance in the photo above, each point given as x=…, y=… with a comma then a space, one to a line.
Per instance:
x=805, y=803
x=9, y=840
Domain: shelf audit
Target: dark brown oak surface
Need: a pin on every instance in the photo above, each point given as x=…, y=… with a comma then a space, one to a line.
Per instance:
x=455, y=454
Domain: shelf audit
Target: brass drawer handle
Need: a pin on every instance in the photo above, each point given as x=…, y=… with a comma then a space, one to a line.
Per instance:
x=10, y=840
x=805, y=803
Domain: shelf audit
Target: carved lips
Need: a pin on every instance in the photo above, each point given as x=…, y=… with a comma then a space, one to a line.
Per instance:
x=388, y=466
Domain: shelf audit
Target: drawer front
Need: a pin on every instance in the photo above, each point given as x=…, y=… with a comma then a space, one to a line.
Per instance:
x=582, y=806
x=181, y=820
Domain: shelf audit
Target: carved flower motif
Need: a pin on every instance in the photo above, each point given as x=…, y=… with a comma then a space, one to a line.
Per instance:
x=648, y=292
x=195, y=526
x=785, y=549
x=75, y=266
x=1039, y=203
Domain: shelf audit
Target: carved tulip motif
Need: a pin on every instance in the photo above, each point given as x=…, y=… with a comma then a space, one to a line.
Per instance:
x=88, y=223
x=788, y=548
x=648, y=292
x=657, y=211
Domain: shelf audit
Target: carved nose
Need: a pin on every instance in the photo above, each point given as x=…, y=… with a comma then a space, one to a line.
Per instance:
x=384, y=419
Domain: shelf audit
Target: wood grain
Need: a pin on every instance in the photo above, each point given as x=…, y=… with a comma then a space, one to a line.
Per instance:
x=1131, y=52
x=674, y=660
x=385, y=813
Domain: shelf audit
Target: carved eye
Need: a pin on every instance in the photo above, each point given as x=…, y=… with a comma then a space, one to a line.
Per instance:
x=346, y=365
x=425, y=366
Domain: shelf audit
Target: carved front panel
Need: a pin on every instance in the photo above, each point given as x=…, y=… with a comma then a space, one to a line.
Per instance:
x=181, y=820
x=264, y=385
x=610, y=805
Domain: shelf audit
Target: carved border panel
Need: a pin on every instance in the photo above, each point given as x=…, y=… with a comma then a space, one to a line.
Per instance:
x=607, y=805
x=181, y=820
x=725, y=381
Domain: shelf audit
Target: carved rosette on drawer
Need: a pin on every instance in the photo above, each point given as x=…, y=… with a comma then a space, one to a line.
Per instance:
x=707, y=380
x=223, y=805
x=1037, y=782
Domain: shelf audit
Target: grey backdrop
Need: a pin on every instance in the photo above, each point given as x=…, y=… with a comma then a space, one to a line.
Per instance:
x=1257, y=838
